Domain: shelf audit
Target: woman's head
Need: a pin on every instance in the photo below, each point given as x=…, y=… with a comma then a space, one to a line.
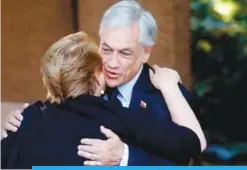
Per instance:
x=72, y=66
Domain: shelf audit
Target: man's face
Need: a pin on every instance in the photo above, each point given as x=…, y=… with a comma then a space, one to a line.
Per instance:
x=122, y=54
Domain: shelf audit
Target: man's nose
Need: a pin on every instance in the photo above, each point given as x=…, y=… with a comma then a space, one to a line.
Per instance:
x=114, y=62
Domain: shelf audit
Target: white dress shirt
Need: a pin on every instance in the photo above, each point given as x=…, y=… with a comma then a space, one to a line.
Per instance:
x=125, y=95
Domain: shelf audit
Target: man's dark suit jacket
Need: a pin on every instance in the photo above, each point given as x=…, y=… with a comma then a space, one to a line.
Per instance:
x=144, y=91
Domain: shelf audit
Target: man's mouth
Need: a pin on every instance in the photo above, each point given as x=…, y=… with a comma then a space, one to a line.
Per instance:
x=112, y=75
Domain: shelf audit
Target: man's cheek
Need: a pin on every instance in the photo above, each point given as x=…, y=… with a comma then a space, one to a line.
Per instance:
x=104, y=60
x=127, y=71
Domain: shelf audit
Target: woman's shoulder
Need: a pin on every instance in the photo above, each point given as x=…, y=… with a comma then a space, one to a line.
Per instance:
x=35, y=108
x=31, y=116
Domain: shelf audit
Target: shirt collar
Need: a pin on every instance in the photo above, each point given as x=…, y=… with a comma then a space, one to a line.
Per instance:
x=127, y=88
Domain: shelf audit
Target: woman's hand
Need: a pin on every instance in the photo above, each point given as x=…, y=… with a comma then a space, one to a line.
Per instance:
x=164, y=78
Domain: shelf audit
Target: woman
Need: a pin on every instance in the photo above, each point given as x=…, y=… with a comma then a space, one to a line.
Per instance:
x=72, y=72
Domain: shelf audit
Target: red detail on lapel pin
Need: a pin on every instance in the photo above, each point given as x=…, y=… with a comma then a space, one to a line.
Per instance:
x=143, y=104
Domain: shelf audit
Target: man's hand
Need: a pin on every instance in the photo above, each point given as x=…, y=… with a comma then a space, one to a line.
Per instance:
x=13, y=121
x=164, y=78
x=102, y=152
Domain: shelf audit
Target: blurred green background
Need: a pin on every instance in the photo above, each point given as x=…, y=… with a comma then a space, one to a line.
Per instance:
x=219, y=70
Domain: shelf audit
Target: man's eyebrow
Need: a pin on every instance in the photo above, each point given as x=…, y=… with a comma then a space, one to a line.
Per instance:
x=126, y=50
x=105, y=44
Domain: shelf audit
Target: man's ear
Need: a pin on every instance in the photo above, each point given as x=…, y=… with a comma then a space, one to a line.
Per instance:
x=147, y=52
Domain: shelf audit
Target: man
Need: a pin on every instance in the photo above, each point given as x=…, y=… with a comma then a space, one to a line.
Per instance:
x=127, y=34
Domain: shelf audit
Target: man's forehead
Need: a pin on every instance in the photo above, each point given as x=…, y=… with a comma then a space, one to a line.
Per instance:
x=123, y=35
x=117, y=45
x=118, y=42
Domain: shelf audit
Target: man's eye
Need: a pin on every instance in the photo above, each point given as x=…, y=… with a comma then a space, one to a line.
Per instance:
x=126, y=54
x=105, y=49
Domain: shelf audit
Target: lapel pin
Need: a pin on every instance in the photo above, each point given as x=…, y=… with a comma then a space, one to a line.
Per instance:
x=143, y=104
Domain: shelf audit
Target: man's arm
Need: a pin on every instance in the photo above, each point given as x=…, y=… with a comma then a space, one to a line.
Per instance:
x=141, y=157
x=134, y=156
x=140, y=129
x=125, y=159
x=156, y=135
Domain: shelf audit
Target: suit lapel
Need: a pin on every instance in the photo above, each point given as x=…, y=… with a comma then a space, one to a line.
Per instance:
x=142, y=87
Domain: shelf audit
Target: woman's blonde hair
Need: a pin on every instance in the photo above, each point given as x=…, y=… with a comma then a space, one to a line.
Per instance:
x=69, y=67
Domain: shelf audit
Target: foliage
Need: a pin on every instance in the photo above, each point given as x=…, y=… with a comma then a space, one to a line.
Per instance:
x=219, y=70
x=218, y=51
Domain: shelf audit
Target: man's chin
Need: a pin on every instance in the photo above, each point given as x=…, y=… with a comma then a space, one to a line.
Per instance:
x=112, y=83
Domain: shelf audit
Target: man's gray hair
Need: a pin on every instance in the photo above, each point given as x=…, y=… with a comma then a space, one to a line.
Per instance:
x=125, y=13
